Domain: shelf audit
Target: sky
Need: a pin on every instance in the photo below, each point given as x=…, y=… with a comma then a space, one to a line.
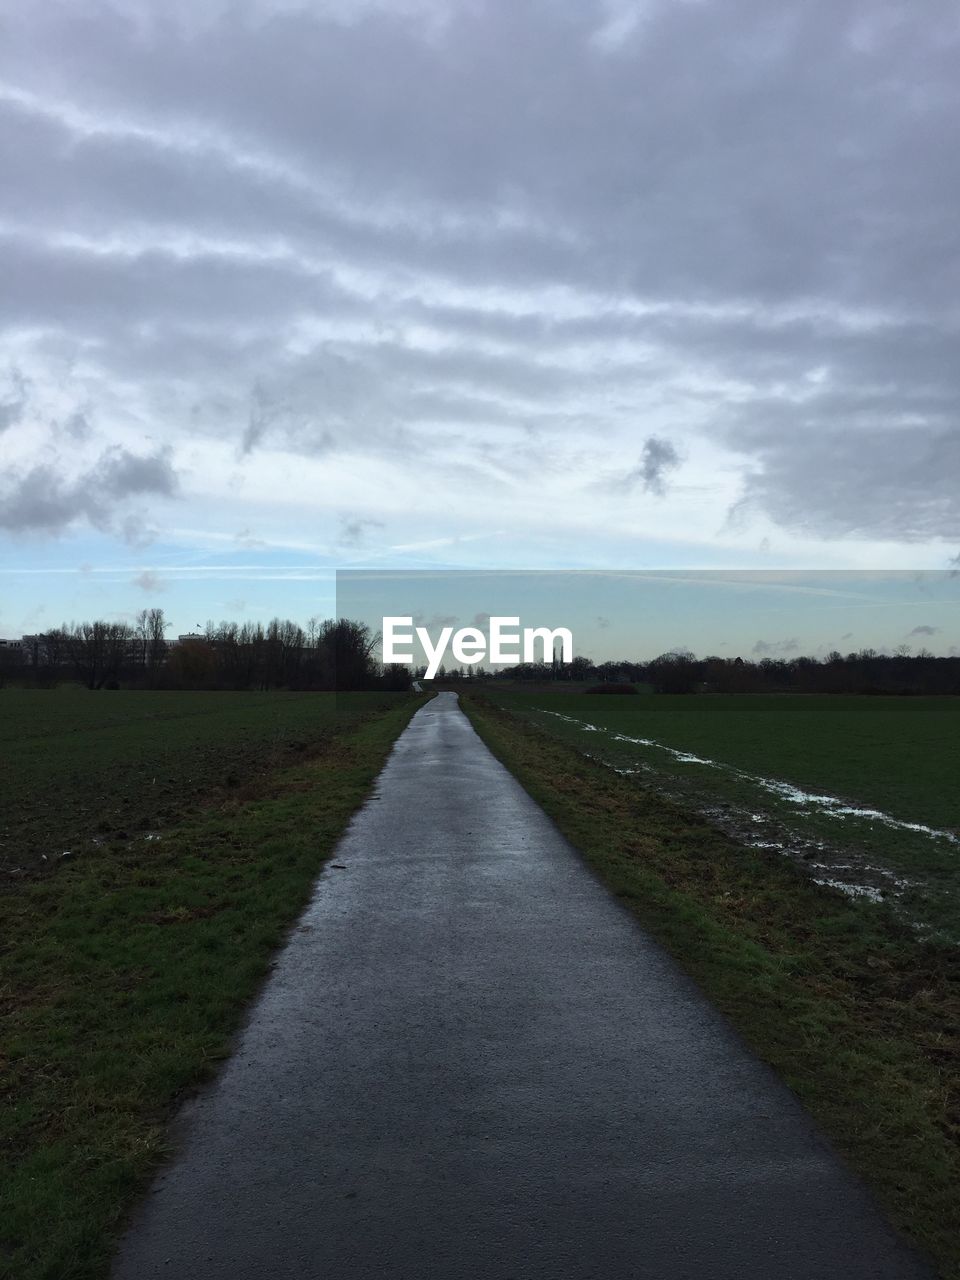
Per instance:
x=637, y=614
x=295, y=287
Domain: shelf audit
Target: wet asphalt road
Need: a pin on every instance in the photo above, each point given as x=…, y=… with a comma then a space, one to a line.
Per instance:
x=470, y=1062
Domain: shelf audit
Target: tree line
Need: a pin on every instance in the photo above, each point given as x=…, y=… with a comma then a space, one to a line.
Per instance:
x=326, y=654
x=866, y=671
x=341, y=654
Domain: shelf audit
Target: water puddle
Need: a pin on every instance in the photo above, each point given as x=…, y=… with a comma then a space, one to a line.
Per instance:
x=853, y=890
x=819, y=859
x=814, y=802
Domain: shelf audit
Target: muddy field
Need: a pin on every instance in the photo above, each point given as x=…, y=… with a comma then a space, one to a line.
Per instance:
x=80, y=769
x=860, y=791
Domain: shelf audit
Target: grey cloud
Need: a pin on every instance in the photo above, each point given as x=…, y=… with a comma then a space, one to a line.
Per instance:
x=262, y=414
x=659, y=457
x=353, y=531
x=296, y=413
x=401, y=114
x=745, y=191
x=77, y=425
x=120, y=474
x=924, y=631
x=42, y=499
x=49, y=282
x=774, y=648
x=896, y=482
x=788, y=170
x=317, y=397
x=150, y=582
x=14, y=400
x=153, y=185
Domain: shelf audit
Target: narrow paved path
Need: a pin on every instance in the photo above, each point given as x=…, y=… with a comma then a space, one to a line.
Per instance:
x=470, y=1062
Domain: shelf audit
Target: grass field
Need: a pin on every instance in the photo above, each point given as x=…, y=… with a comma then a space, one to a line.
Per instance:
x=860, y=791
x=196, y=824
x=125, y=968
x=82, y=768
x=856, y=1011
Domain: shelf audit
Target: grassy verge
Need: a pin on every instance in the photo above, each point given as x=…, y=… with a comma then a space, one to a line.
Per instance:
x=859, y=1017
x=123, y=977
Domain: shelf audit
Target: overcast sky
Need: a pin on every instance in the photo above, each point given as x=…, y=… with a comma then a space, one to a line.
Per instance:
x=288, y=286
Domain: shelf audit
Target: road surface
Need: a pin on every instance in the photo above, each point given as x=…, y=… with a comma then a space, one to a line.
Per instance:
x=470, y=1063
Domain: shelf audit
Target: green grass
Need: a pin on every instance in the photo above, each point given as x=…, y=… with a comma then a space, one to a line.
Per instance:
x=124, y=974
x=898, y=755
x=859, y=1016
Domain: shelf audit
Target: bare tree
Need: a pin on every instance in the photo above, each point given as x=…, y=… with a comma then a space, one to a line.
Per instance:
x=141, y=633
x=98, y=650
x=347, y=654
x=156, y=643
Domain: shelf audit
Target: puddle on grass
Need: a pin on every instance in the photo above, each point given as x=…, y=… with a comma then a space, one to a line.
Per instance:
x=817, y=858
x=814, y=802
x=860, y=880
x=853, y=890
